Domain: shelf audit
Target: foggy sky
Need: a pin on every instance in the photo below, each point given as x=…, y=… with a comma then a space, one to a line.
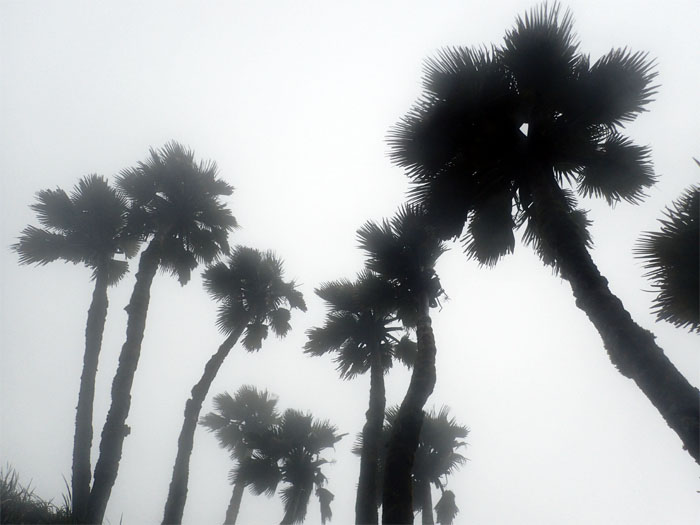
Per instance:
x=293, y=100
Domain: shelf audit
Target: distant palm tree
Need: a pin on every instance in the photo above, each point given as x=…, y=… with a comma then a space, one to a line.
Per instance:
x=404, y=252
x=174, y=203
x=672, y=258
x=495, y=140
x=238, y=422
x=359, y=329
x=437, y=457
x=85, y=227
x=255, y=298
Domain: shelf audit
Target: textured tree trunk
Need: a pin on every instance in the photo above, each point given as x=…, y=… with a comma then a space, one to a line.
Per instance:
x=426, y=504
x=115, y=428
x=631, y=348
x=366, y=503
x=397, y=496
x=177, y=493
x=82, y=443
x=235, y=504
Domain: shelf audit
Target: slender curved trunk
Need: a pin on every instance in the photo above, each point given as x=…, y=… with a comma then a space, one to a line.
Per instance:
x=115, y=428
x=82, y=443
x=426, y=497
x=177, y=493
x=367, y=486
x=631, y=348
x=398, y=497
x=235, y=504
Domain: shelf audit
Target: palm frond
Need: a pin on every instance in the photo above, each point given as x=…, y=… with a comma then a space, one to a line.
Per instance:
x=490, y=233
x=55, y=210
x=672, y=257
x=616, y=88
x=253, y=336
x=541, y=52
x=619, y=170
x=446, y=508
x=325, y=497
x=405, y=351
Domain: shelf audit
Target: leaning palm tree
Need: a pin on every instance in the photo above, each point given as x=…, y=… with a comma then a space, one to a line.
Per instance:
x=437, y=457
x=359, y=329
x=238, y=422
x=672, y=258
x=254, y=299
x=85, y=227
x=404, y=252
x=174, y=204
x=496, y=140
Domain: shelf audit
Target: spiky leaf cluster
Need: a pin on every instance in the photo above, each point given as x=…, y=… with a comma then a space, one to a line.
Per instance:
x=672, y=258
x=253, y=294
x=490, y=120
x=177, y=202
x=86, y=227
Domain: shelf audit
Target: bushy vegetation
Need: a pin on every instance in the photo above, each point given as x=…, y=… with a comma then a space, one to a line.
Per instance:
x=19, y=503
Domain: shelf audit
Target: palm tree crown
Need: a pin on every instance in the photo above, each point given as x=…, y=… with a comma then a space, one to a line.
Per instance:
x=85, y=227
x=253, y=294
x=177, y=201
x=672, y=258
x=361, y=314
x=404, y=251
x=491, y=120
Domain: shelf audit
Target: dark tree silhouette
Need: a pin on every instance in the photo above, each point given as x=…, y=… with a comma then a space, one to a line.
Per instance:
x=436, y=458
x=239, y=422
x=494, y=142
x=287, y=452
x=174, y=203
x=85, y=227
x=254, y=298
x=404, y=251
x=359, y=329
x=672, y=258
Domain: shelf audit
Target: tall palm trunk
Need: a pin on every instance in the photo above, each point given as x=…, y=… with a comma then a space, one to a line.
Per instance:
x=115, y=428
x=426, y=497
x=631, y=348
x=366, y=503
x=235, y=504
x=403, y=442
x=177, y=494
x=82, y=443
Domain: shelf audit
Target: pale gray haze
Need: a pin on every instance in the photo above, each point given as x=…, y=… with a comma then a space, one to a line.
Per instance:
x=293, y=100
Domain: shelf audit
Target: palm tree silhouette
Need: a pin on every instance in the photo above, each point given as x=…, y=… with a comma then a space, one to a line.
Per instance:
x=403, y=251
x=85, y=227
x=271, y=450
x=239, y=422
x=175, y=205
x=672, y=258
x=436, y=458
x=254, y=298
x=359, y=328
x=495, y=140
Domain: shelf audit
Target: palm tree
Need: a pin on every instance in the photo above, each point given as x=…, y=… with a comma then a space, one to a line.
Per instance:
x=85, y=227
x=298, y=443
x=495, y=140
x=359, y=329
x=436, y=458
x=255, y=298
x=175, y=205
x=672, y=257
x=271, y=450
x=404, y=251
x=249, y=412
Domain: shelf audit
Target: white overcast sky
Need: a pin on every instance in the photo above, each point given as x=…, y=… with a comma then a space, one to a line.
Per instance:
x=293, y=100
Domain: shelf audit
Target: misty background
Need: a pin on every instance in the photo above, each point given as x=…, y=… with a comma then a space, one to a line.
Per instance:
x=293, y=101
